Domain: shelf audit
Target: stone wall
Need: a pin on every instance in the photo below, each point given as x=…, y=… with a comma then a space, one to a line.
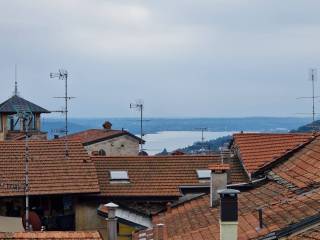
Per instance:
x=120, y=146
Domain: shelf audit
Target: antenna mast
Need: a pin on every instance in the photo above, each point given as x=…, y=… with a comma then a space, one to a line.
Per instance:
x=139, y=106
x=313, y=79
x=202, y=129
x=63, y=75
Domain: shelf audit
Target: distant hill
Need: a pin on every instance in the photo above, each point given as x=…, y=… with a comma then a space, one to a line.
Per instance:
x=154, y=125
x=310, y=127
x=211, y=145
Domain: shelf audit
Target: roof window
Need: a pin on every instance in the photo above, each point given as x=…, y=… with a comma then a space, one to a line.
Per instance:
x=119, y=176
x=203, y=174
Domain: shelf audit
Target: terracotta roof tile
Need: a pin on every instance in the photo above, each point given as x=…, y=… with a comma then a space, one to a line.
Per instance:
x=95, y=135
x=157, y=175
x=281, y=208
x=311, y=234
x=259, y=149
x=303, y=168
x=49, y=171
x=92, y=235
x=291, y=196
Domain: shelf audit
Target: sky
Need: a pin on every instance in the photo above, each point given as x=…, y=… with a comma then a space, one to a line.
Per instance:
x=200, y=58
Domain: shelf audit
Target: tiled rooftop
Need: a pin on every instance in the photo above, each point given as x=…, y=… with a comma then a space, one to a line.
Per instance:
x=195, y=220
x=157, y=175
x=96, y=135
x=290, y=196
x=303, y=169
x=259, y=149
x=93, y=235
x=49, y=171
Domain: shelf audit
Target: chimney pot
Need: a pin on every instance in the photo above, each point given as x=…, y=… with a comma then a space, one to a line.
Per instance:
x=107, y=125
x=112, y=221
x=228, y=214
x=169, y=204
x=160, y=233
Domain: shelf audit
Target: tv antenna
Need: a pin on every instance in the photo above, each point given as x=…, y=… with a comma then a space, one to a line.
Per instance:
x=202, y=129
x=63, y=75
x=313, y=79
x=139, y=106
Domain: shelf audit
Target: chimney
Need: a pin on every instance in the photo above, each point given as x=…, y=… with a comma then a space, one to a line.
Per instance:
x=112, y=221
x=107, y=125
x=169, y=207
x=160, y=232
x=56, y=136
x=228, y=214
x=218, y=181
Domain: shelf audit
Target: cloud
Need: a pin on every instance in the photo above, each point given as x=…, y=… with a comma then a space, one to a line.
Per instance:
x=185, y=58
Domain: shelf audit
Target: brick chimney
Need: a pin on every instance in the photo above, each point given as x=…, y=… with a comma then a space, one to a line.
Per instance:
x=228, y=214
x=112, y=221
x=219, y=179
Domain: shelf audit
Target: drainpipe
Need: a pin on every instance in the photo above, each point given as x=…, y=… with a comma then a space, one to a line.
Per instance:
x=229, y=214
x=112, y=221
x=218, y=181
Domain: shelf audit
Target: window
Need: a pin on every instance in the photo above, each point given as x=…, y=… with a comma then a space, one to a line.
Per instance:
x=102, y=152
x=203, y=174
x=119, y=176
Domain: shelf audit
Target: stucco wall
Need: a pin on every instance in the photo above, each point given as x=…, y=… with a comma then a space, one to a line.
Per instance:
x=88, y=219
x=119, y=146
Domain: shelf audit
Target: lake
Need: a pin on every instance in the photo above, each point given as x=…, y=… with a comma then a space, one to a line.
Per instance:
x=172, y=140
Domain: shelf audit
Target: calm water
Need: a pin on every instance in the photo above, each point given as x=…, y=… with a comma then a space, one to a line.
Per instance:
x=172, y=140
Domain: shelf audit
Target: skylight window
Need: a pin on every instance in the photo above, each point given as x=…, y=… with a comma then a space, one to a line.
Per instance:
x=119, y=176
x=203, y=174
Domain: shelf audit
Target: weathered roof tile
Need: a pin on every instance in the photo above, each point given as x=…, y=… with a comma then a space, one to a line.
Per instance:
x=49, y=171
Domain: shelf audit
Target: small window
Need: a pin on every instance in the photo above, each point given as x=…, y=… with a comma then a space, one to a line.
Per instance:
x=203, y=174
x=102, y=152
x=119, y=176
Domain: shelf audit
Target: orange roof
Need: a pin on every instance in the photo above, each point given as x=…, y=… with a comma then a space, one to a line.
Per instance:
x=92, y=235
x=157, y=175
x=49, y=171
x=196, y=220
x=290, y=197
x=259, y=149
x=303, y=168
x=96, y=135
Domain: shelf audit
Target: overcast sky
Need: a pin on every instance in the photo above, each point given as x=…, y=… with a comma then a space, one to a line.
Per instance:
x=199, y=58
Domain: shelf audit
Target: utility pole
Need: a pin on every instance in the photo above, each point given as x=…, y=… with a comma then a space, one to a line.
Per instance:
x=27, y=170
x=63, y=75
x=139, y=106
x=26, y=116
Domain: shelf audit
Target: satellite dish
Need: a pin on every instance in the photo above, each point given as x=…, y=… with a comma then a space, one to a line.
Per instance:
x=34, y=221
